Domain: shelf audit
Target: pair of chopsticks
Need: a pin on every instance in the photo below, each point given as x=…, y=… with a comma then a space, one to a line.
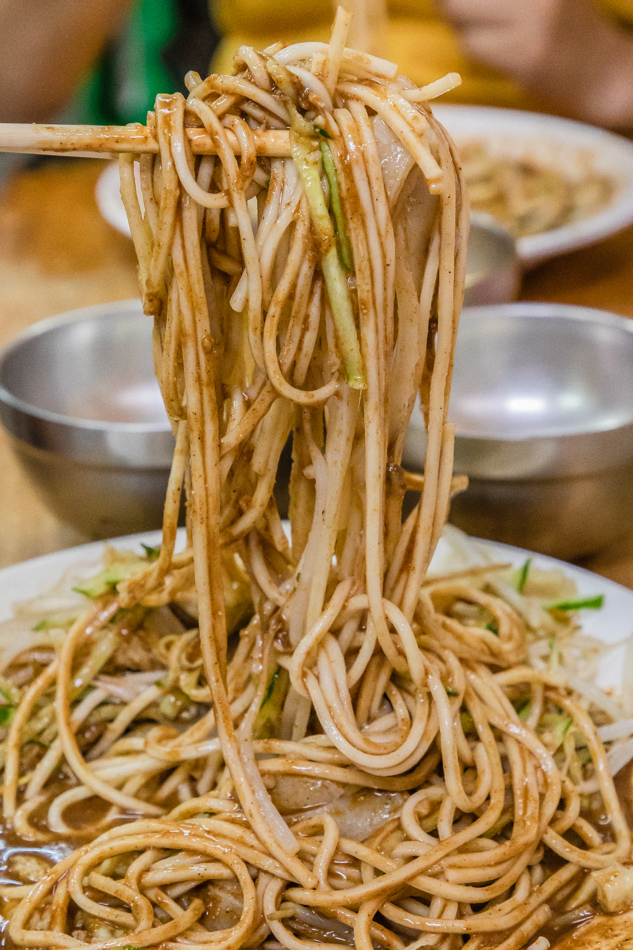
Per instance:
x=108, y=141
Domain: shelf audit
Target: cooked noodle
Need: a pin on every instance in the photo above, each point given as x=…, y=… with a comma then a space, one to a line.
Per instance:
x=207, y=732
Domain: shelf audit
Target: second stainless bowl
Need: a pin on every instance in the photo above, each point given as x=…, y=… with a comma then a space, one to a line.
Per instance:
x=543, y=405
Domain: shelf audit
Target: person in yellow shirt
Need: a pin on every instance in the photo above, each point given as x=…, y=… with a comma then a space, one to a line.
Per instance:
x=574, y=56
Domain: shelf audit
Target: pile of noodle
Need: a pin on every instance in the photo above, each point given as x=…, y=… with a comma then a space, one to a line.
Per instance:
x=222, y=713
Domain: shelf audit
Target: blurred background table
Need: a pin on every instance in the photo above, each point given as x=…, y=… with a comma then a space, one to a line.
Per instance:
x=57, y=253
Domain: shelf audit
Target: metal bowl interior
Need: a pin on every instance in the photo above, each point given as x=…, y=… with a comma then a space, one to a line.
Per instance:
x=539, y=390
x=542, y=401
x=83, y=385
x=529, y=371
x=92, y=365
x=83, y=409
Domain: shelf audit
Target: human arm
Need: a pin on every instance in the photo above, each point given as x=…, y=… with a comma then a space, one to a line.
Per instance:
x=567, y=51
x=46, y=47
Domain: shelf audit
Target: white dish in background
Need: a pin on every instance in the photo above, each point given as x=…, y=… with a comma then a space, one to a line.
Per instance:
x=612, y=624
x=554, y=143
x=108, y=198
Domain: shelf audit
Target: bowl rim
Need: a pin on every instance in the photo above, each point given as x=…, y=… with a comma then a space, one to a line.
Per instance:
x=40, y=328
x=541, y=310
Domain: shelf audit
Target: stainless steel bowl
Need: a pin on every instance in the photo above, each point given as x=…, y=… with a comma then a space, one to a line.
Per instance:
x=84, y=412
x=493, y=271
x=543, y=405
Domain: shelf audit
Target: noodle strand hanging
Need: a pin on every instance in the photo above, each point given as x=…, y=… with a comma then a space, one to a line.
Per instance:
x=301, y=743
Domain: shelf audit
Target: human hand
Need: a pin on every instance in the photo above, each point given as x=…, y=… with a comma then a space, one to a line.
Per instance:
x=47, y=49
x=567, y=51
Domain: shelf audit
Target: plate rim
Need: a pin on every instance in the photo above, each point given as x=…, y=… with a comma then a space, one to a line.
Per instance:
x=536, y=248
x=614, y=615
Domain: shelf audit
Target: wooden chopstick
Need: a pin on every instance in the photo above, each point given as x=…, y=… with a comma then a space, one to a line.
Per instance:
x=414, y=481
x=107, y=141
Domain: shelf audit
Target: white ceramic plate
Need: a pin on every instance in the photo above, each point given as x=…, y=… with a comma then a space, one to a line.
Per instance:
x=611, y=624
x=108, y=198
x=555, y=143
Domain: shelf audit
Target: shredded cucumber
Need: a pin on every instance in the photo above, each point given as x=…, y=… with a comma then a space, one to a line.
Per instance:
x=343, y=244
x=307, y=158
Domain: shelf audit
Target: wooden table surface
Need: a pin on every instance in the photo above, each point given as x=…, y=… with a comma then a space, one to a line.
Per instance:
x=57, y=253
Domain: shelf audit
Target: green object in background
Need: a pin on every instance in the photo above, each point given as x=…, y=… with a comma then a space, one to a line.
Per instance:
x=132, y=71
